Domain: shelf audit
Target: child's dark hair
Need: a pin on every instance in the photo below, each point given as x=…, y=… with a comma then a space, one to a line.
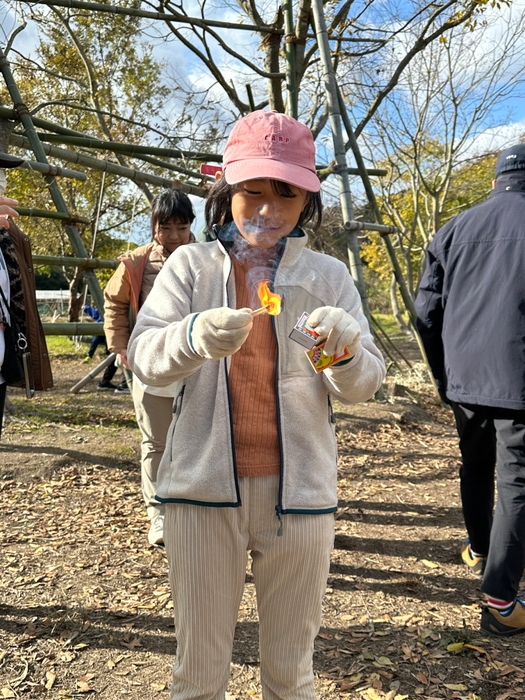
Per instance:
x=170, y=204
x=218, y=205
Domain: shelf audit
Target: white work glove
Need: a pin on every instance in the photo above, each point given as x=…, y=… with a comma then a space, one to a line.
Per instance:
x=338, y=328
x=220, y=332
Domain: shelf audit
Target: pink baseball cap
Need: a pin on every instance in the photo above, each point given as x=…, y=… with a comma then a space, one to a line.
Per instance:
x=271, y=145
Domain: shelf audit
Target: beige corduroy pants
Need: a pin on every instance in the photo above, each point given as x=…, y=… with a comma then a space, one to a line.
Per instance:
x=207, y=551
x=154, y=414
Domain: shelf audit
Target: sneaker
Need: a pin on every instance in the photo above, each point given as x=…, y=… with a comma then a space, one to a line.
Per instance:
x=504, y=624
x=476, y=565
x=87, y=359
x=122, y=388
x=106, y=386
x=156, y=530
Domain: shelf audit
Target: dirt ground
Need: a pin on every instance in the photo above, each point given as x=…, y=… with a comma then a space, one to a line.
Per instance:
x=84, y=601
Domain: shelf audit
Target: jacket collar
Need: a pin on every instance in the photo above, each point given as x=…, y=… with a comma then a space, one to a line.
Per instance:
x=510, y=182
x=290, y=246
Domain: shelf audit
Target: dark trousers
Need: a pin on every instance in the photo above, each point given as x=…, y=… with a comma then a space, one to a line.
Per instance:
x=3, y=390
x=95, y=342
x=109, y=373
x=492, y=442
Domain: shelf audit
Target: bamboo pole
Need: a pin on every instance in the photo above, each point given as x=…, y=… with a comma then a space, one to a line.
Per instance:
x=53, y=170
x=107, y=166
x=88, y=328
x=213, y=157
x=46, y=214
x=367, y=226
x=377, y=212
x=289, y=49
x=345, y=195
x=249, y=94
x=171, y=166
x=340, y=157
x=7, y=113
x=93, y=373
x=325, y=172
x=87, y=263
x=339, y=151
x=54, y=190
x=128, y=149
x=396, y=268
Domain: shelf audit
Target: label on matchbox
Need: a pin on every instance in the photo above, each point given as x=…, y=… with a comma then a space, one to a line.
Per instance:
x=303, y=334
x=320, y=361
x=306, y=336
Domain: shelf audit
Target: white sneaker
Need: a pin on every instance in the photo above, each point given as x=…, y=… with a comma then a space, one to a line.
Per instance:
x=156, y=530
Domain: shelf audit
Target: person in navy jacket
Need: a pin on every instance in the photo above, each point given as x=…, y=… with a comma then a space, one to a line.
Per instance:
x=471, y=317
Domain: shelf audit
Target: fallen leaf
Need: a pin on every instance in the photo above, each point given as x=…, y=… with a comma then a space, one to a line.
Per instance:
x=373, y=694
x=86, y=678
x=50, y=679
x=133, y=644
x=383, y=661
x=84, y=687
x=8, y=693
x=350, y=682
x=455, y=647
x=480, y=650
x=509, y=669
x=430, y=564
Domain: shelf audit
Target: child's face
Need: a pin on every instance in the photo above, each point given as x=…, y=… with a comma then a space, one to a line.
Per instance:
x=262, y=216
x=173, y=234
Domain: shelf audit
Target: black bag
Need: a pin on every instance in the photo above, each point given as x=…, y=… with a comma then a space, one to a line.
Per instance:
x=13, y=365
x=16, y=368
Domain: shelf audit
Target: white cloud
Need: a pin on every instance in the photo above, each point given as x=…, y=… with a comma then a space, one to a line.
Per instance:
x=495, y=139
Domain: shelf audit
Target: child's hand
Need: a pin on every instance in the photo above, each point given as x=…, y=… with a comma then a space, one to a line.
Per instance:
x=220, y=332
x=5, y=210
x=122, y=357
x=338, y=328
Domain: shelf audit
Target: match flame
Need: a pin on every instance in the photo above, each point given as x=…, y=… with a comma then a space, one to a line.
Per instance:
x=269, y=299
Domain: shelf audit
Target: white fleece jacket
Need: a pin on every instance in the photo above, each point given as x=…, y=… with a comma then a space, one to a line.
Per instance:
x=198, y=465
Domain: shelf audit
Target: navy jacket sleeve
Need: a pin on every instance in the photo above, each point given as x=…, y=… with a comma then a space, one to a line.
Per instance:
x=429, y=308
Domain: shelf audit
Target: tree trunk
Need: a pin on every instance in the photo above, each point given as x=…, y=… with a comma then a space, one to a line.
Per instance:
x=5, y=131
x=395, y=308
x=75, y=299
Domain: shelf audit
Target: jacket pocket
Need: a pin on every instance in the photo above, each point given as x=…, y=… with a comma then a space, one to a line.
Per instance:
x=176, y=411
x=177, y=403
x=331, y=416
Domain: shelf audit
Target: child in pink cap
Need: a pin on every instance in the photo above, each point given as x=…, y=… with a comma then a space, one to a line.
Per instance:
x=251, y=458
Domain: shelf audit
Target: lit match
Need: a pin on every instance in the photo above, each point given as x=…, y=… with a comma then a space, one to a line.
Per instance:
x=262, y=310
x=270, y=300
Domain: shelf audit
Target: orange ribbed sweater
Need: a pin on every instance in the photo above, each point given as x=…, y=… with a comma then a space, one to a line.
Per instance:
x=252, y=388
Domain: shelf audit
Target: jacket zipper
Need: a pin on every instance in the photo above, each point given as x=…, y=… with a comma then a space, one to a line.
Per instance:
x=279, y=506
x=232, y=434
